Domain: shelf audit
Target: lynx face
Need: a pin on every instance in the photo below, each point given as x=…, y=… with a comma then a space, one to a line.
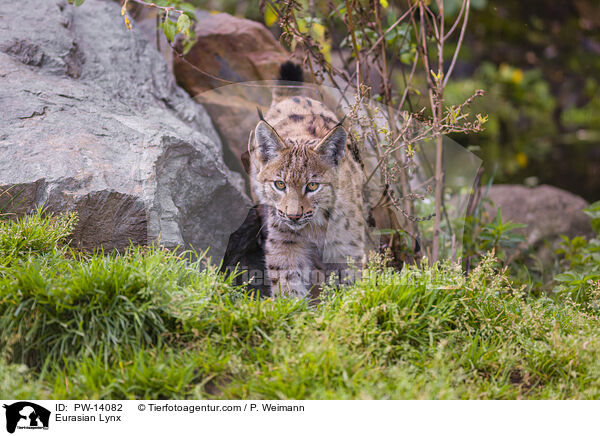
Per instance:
x=298, y=177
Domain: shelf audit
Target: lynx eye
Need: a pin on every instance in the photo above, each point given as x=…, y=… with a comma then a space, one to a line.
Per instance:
x=279, y=185
x=312, y=186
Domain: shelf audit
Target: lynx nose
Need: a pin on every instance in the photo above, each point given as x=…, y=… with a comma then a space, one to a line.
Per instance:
x=295, y=217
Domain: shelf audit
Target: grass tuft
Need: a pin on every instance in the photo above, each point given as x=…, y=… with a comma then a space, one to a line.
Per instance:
x=33, y=235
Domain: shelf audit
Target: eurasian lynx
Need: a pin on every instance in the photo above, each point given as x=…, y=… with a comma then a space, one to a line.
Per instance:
x=302, y=171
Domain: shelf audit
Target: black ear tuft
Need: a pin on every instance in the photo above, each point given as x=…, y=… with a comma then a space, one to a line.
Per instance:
x=333, y=146
x=269, y=143
x=290, y=72
x=260, y=114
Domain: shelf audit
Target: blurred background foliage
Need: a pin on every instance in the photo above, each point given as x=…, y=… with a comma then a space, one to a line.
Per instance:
x=539, y=63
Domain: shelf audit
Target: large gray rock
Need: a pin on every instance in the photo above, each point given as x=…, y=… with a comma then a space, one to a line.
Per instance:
x=547, y=212
x=92, y=121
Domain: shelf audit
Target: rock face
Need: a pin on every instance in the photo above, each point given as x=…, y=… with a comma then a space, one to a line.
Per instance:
x=547, y=211
x=237, y=50
x=92, y=121
x=230, y=48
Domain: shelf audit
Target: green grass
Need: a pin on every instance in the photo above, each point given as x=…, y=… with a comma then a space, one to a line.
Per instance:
x=33, y=235
x=150, y=323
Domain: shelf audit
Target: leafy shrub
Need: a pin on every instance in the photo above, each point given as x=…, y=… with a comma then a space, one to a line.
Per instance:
x=483, y=234
x=580, y=279
x=496, y=235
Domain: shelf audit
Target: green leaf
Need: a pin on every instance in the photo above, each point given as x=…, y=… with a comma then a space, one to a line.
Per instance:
x=183, y=24
x=169, y=29
x=270, y=16
x=76, y=2
x=593, y=211
x=189, y=42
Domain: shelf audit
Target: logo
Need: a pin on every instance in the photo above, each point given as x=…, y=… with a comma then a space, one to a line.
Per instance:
x=26, y=415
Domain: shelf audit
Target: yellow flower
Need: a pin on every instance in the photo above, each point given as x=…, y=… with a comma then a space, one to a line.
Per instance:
x=521, y=159
x=517, y=76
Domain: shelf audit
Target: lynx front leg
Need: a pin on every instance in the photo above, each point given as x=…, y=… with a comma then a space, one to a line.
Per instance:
x=289, y=283
x=289, y=265
x=344, y=246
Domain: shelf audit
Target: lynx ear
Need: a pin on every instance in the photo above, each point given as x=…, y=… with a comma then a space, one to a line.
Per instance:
x=333, y=146
x=268, y=142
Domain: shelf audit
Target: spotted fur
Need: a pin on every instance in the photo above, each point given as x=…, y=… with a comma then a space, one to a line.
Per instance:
x=300, y=144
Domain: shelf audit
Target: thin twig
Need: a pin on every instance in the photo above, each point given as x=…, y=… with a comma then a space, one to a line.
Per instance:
x=451, y=31
x=154, y=5
x=460, y=40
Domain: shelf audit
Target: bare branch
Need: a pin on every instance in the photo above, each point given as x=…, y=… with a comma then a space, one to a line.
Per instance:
x=453, y=28
x=458, y=45
x=154, y=5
